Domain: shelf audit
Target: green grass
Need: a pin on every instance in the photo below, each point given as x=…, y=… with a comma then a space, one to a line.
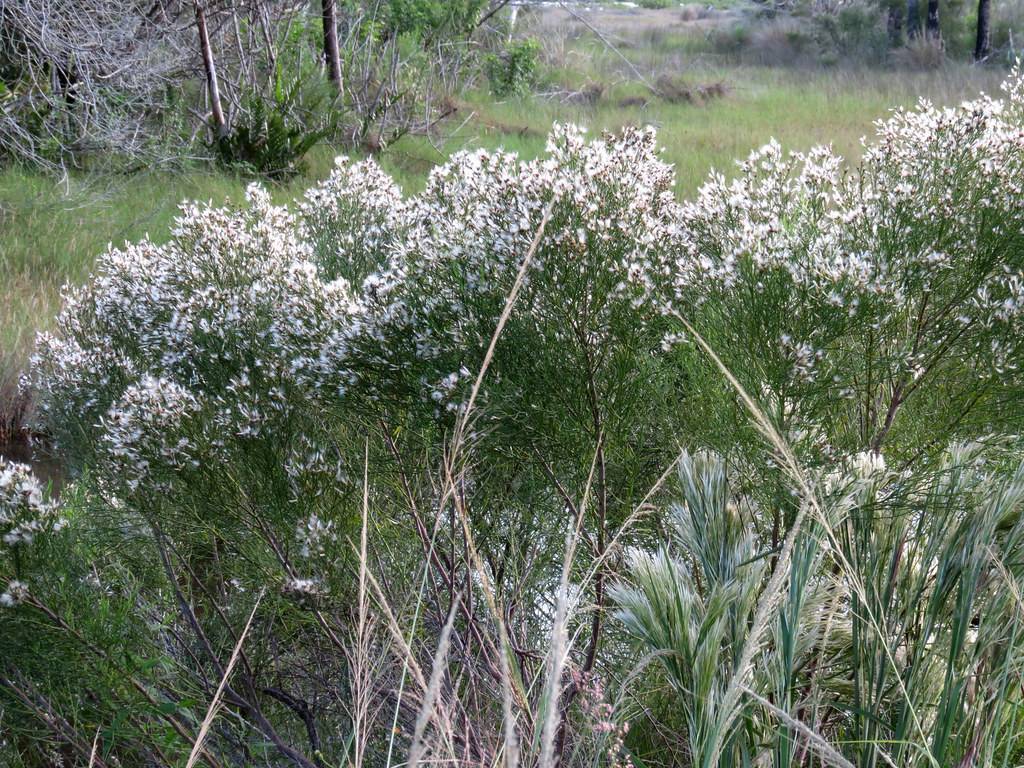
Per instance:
x=799, y=108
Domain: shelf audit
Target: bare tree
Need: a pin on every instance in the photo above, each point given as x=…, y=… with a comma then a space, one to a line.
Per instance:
x=983, y=42
x=210, y=67
x=332, y=56
x=84, y=75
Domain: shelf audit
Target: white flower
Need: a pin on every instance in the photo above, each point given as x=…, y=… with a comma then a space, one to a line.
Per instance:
x=302, y=591
x=868, y=464
x=314, y=534
x=15, y=594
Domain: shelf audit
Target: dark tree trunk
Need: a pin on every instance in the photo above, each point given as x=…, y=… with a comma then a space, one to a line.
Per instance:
x=332, y=56
x=897, y=11
x=983, y=44
x=932, y=23
x=210, y=68
x=66, y=82
x=913, y=19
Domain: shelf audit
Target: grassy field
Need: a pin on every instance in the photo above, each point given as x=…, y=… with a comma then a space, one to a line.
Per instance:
x=714, y=107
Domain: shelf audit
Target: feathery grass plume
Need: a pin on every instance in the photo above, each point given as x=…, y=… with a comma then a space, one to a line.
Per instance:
x=913, y=579
x=698, y=615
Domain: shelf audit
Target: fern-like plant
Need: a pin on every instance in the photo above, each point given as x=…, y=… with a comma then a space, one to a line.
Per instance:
x=273, y=136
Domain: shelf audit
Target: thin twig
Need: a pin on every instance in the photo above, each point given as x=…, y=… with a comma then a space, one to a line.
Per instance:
x=214, y=708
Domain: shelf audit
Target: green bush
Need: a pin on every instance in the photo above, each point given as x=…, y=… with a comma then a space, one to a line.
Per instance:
x=429, y=18
x=513, y=70
x=731, y=39
x=856, y=32
x=272, y=136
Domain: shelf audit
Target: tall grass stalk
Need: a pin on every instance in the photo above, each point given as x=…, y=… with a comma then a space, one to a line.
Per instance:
x=558, y=647
x=359, y=656
x=215, y=702
x=437, y=672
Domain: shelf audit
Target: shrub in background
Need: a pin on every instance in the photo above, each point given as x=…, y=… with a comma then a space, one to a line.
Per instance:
x=781, y=41
x=1006, y=26
x=512, y=71
x=431, y=18
x=273, y=135
x=921, y=53
x=855, y=32
x=730, y=39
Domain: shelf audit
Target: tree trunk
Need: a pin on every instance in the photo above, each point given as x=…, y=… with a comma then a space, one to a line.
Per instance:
x=211, y=71
x=932, y=23
x=332, y=56
x=983, y=44
x=895, y=24
x=913, y=19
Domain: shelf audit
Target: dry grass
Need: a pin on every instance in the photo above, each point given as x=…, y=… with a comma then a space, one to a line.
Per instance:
x=676, y=90
x=922, y=54
x=215, y=703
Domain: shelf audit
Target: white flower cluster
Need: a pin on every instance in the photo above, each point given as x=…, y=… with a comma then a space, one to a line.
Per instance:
x=25, y=514
x=148, y=429
x=925, y=243
x=314, y=535
x=352, y=219
x=15, y=594
x=304, y=592
x=261, y=324
x=868, y=464
x=227, y=321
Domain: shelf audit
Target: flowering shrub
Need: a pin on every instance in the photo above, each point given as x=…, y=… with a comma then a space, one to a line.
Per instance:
x=228, y=320
x=876, y=287
x=352, y=219
x=870, y=286
x=436, y=305
x=250, y=329
x=24, y=515
x=512, y=71
x=265, y=406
